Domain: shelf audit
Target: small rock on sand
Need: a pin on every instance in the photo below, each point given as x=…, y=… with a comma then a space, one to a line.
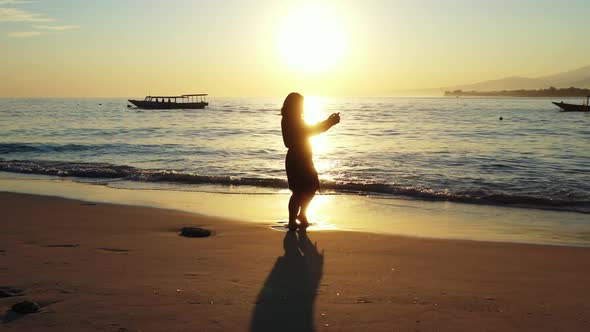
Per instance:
x=195, y=232
x=26, y=307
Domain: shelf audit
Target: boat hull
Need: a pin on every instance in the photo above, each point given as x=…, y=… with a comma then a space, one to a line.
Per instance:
x=572, y=107
x=156, y=105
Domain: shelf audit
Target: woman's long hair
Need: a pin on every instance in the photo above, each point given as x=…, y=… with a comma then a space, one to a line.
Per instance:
x=293, y=105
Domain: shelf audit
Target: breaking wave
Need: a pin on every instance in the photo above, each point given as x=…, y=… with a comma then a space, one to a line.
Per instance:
x=121, y=172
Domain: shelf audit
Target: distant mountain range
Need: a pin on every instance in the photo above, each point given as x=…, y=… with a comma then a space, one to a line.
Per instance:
x=579, y=78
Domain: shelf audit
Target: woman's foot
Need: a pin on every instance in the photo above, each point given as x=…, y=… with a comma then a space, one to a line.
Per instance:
x=303, y=221
x=292, y=226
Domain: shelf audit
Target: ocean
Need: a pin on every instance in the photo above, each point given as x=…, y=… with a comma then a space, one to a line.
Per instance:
x=435, y=149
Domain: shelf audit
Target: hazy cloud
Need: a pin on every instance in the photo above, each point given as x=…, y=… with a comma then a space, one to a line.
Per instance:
x=14, y=2
x=25, y=34
x=16, y=15
x=19, y=15
x=56, y=27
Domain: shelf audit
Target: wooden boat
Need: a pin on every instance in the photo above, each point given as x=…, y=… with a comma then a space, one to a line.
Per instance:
x=574, y=107
x=193, y=101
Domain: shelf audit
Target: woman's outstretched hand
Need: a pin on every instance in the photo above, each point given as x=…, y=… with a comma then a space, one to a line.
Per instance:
x=334, y=118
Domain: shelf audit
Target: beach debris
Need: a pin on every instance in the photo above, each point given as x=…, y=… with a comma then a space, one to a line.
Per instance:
x=103, y=292
x=115, y=250
x=363, y=300
x=195, y=232
x=9, y=291
x=26, y=307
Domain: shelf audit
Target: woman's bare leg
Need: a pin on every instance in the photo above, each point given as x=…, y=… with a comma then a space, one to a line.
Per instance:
x=305, y=200
x=295, y=203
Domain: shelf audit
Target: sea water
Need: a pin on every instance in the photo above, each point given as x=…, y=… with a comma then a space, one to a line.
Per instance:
x=515, y=151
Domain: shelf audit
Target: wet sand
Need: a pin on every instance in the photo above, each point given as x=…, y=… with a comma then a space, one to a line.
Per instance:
x=102, y=267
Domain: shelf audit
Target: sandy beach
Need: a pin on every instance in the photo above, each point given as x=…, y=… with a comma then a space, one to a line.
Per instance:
x=102, y=267
x=155, y=156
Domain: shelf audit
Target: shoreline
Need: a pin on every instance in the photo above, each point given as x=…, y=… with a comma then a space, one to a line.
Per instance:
x=277, y=227
x=113, y=267
x=138, y=178
x=424, y=219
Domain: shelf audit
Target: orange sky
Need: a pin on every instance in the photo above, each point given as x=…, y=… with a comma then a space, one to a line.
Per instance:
x=64, y=48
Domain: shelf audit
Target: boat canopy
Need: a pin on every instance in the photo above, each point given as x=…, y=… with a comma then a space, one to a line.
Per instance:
x=191, y=97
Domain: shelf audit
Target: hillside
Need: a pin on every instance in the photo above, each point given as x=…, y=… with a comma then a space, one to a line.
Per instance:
x=578, y=77
x=550, y=92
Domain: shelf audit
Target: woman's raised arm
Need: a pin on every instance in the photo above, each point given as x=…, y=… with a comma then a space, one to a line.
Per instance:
x=321, y=127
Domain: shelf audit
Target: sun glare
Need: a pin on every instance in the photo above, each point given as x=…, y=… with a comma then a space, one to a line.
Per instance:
x=314, y=113
x=313, y=109
x=311, y=39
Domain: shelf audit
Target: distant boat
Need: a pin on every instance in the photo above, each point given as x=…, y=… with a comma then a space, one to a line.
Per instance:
x=194, y=101
x=574, y=107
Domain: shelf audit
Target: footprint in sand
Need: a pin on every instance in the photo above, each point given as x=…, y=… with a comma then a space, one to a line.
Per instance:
x=9, y=291
x=281, y=225
x=115, y=250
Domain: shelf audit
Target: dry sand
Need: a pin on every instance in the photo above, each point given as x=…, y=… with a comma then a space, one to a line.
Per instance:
x=122, y=268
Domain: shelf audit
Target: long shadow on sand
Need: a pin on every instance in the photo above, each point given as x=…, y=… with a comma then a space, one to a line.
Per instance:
x=286, y=300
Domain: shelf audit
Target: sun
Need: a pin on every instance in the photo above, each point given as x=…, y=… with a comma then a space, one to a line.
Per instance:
x=311, y=39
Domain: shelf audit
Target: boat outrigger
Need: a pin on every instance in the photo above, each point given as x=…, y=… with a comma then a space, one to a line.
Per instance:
x=193, y=101
x=574, y=107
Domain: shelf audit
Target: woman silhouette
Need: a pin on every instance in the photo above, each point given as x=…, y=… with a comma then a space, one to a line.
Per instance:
x=301, y=173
